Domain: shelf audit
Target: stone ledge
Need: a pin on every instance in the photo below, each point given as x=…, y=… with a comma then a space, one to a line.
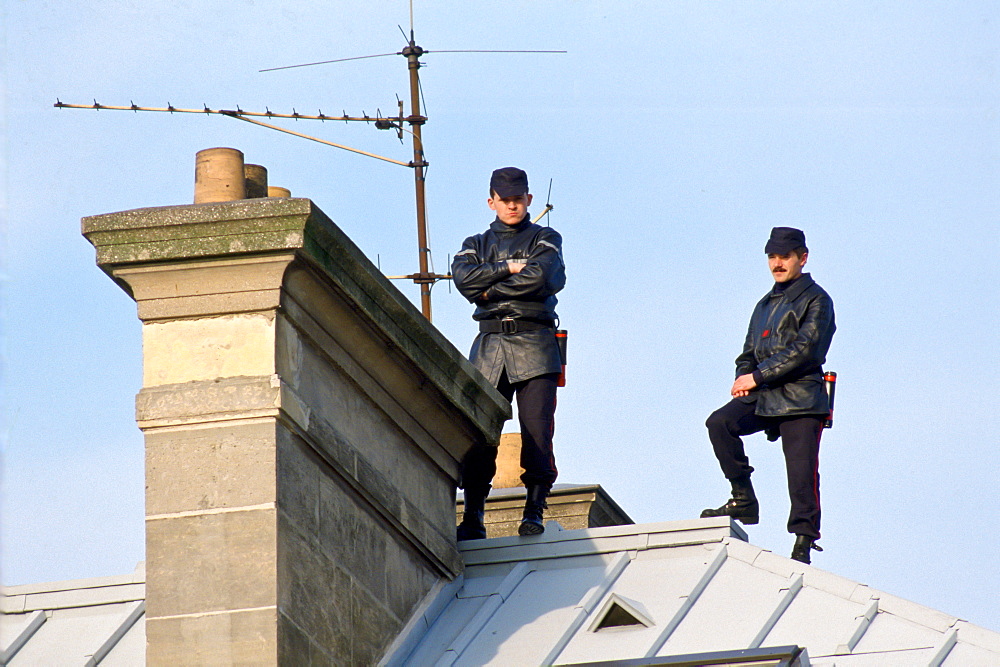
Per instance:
x=249, y=228
x=206, y=287
x=208, y=401
x=167, y=233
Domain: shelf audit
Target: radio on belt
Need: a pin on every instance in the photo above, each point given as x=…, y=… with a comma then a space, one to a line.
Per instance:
x=561, y=338
x=830, y=381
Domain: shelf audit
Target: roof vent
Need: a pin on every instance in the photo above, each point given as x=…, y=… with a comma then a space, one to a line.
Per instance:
x=620, y=612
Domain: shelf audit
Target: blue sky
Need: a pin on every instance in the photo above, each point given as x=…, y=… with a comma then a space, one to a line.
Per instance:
x=676, y=134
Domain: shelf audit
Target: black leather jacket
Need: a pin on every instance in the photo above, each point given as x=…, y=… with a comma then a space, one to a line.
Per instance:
x=785, y=348
x=481, y=267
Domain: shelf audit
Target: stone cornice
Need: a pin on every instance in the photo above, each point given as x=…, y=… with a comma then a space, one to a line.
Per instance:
x=166, y=236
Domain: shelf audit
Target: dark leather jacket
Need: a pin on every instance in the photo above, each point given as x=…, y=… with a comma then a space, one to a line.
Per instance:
x=786, y=345
x=481, y=267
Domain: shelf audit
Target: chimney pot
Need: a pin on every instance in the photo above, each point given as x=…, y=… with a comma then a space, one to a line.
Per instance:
x=218, y=175
x=509, y=468
x=255, y=177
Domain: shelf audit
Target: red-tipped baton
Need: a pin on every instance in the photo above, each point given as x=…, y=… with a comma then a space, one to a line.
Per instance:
x=561, y=338
x=830, y=380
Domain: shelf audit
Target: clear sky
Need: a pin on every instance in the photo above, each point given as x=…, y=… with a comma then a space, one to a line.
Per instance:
x=675, y=134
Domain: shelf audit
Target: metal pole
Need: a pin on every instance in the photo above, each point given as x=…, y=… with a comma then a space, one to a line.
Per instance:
x=413, y=53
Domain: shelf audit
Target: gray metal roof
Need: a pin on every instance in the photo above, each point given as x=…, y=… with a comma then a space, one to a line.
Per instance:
x=620, y=593
x=81, y=622
x=667, y=590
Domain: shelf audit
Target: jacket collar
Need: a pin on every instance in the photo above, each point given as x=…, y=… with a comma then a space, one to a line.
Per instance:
x=499, y=227
x=798, y=288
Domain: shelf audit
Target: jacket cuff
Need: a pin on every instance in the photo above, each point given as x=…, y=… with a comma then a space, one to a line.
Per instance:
x=758, y=377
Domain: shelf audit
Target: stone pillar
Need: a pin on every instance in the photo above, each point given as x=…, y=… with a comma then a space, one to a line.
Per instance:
x=303, y=427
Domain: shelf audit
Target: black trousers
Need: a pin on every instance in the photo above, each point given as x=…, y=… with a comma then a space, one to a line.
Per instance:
x=800, y=438
x=536, y=409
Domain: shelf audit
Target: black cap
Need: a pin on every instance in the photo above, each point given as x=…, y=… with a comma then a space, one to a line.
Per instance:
x=509, y=182
x=784, y=240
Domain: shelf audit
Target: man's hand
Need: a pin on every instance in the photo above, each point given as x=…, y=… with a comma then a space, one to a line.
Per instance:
x=743, y=385
x=514, y=266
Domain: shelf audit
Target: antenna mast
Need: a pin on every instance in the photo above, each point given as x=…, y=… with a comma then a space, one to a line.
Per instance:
x=424, y=278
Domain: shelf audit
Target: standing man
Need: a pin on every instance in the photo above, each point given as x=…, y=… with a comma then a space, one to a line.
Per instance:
x=779, y=389
x=511, y=272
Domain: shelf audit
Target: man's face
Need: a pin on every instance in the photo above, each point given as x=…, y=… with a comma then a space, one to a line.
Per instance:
x=786, y=267
x=510, y=210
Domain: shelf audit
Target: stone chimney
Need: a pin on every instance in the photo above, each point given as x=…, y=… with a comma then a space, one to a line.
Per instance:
x=509, y=468
x=303, y=428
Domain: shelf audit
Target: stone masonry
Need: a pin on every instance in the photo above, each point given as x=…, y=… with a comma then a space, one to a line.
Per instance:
x=303, y=427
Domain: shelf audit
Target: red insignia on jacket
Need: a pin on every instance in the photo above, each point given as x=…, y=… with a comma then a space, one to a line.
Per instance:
x=766, y=333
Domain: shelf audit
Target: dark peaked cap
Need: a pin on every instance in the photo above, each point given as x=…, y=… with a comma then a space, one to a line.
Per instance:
x=784, y=240
x=509, y=182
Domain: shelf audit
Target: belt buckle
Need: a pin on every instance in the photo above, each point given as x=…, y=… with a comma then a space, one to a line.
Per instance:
x=508, y=325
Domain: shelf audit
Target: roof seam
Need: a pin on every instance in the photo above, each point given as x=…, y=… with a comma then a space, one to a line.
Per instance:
x=589, y=602
x=422, y=619
x=974, y=635
x=70, y=585
x=864, y=622
x=38, y=619
x=692, y=597
x=137, y=612
x=490, y=607
x=791, y=590
x=80, y=604
x=590, y=535
x=904, y=649
x=522, y=553
x=942, y=650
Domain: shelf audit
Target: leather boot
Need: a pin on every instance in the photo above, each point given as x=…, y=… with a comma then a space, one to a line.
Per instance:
x=534, y=504
x=472, y=526
x=743, y=506
x=803, y=545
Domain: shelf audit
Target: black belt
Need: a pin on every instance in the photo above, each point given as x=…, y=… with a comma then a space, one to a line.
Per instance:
x=509, y=326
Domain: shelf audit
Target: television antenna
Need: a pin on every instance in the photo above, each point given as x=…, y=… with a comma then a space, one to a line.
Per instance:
x=411, y=124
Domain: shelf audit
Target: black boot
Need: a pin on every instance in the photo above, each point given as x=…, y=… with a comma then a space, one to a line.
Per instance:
x=534, y=504
x=743, y=506
x=472, y=526
x=803, y=545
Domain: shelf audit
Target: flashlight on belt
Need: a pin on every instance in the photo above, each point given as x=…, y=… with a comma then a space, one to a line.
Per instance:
x=561, y=337
x=830, y=381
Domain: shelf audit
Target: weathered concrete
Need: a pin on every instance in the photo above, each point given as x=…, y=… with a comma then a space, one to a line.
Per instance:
x=304, y=427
